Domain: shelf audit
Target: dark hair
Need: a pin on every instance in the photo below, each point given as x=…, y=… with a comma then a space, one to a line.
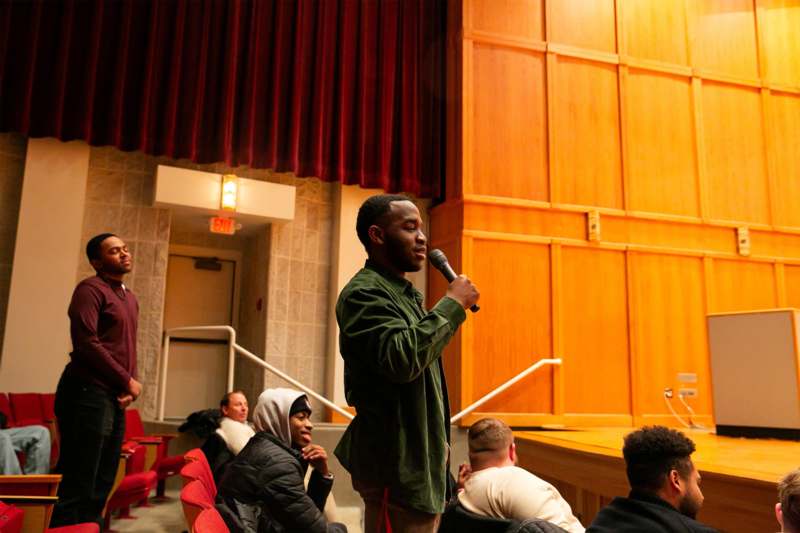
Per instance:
x=371, y=211
x=789, y=496
x=226, y=400
x=93, y=246
x=652, y=452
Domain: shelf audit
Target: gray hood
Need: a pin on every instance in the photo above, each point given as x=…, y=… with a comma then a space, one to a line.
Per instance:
x=271, y=413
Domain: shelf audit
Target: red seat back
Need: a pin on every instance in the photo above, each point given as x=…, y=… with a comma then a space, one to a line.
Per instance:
x=5, y=408
x=195, y=454
x=195, y=498
x=210, y=521
x=133, y=424
x=26, y=406
x=48, y=401
x=136, y=461
x=199, y=471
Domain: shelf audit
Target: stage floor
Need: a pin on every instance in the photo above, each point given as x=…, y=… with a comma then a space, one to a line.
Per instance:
x=739, y=475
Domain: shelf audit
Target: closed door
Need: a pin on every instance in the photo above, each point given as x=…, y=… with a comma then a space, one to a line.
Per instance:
x=199, y=293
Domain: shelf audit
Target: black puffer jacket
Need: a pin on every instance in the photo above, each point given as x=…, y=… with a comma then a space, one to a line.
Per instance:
x=262, y=491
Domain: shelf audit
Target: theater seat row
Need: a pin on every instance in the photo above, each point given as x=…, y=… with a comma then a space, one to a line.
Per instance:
x=198, y=495
x=144, y=462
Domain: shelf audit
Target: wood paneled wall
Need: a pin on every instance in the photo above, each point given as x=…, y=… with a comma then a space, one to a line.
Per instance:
x=677, y=123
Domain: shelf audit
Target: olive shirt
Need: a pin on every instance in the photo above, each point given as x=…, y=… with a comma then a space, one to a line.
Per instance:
x=394, y=378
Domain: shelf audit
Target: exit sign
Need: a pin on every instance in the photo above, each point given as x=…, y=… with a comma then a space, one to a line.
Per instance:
x=226, y=226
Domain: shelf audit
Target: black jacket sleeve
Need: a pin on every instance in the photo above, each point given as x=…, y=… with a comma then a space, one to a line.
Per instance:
x=285, y=500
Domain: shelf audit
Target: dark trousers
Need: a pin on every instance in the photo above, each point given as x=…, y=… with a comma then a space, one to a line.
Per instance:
x=92, y=426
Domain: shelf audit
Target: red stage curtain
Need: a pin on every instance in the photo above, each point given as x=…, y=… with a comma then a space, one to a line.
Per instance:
x=345, y=90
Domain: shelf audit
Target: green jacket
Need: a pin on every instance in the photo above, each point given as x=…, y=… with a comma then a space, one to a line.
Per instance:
x=394, y=378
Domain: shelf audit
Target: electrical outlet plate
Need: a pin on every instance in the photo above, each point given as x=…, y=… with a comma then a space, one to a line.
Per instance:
x=743, y=241
x=688, y=392
x=593, y=226
x=687, y=377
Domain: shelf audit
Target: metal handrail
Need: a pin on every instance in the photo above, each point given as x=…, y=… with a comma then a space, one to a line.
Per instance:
x=533, y=368
x=233, y=348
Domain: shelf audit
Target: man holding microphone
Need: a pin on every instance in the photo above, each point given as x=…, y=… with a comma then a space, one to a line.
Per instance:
x=396, y=449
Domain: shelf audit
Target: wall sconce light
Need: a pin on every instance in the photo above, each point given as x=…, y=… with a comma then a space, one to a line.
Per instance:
x=230, y=192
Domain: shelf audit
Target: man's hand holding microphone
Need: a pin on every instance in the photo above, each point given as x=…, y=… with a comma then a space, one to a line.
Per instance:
x=461, y=289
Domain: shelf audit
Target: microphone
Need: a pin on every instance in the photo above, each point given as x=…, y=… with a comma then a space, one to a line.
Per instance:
x=439, y=262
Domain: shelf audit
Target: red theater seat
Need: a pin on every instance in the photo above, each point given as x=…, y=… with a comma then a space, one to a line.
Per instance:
x=33, y=497
x=200, y=471
x=209, y=521
x=5, y=408
x=27, y=407
x=30, y=409
x=135, y=485
x=195, y=498
x=48, y=401
x=156, y=445
x=10, y=518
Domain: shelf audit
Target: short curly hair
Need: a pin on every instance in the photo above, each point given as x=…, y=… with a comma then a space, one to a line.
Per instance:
x=652, y=452
x=789, y=496
x=371, y=211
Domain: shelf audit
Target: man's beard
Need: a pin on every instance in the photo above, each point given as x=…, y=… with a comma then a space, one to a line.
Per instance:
x=688, y=507
x=399, y=258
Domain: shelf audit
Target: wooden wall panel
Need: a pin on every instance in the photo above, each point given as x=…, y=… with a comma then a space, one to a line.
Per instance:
x=792, y=281
x=742, y=286
x=513, y=328
x=725, y=37
x=593, y=303
x=656, y=30
x=582, y=23
x=452, y=355
x=668, y=319
x=784, y=117
x=781, y=40
x=659, y=123
x=735, y=158
x=510, y=124
x=516, y=18
x=691, y=131
x=774, y=244
x=587, y=165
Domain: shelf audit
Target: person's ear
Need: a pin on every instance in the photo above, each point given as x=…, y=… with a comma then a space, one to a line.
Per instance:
x=675, y=481
x=376, y=234
x=512, y=452
x=96, y=264
x=779, y=514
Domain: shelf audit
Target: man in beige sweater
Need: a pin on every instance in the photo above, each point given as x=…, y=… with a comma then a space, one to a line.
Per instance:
x=494, y=486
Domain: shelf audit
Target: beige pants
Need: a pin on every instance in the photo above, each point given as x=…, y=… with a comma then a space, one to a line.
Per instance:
x=402, y=519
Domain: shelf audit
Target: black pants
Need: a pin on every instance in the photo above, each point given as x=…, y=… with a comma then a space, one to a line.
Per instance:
x=92, y=426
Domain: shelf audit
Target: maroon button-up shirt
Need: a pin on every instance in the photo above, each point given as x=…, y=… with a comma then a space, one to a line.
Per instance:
x=103, y=316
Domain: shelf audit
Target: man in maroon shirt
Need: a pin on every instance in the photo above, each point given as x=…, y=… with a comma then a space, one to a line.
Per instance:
x=98, y=383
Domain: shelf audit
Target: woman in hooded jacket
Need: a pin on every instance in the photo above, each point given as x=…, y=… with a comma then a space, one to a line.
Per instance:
x=262, y=489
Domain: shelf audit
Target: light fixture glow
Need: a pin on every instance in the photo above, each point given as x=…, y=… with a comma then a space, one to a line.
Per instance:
x=230, y=192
